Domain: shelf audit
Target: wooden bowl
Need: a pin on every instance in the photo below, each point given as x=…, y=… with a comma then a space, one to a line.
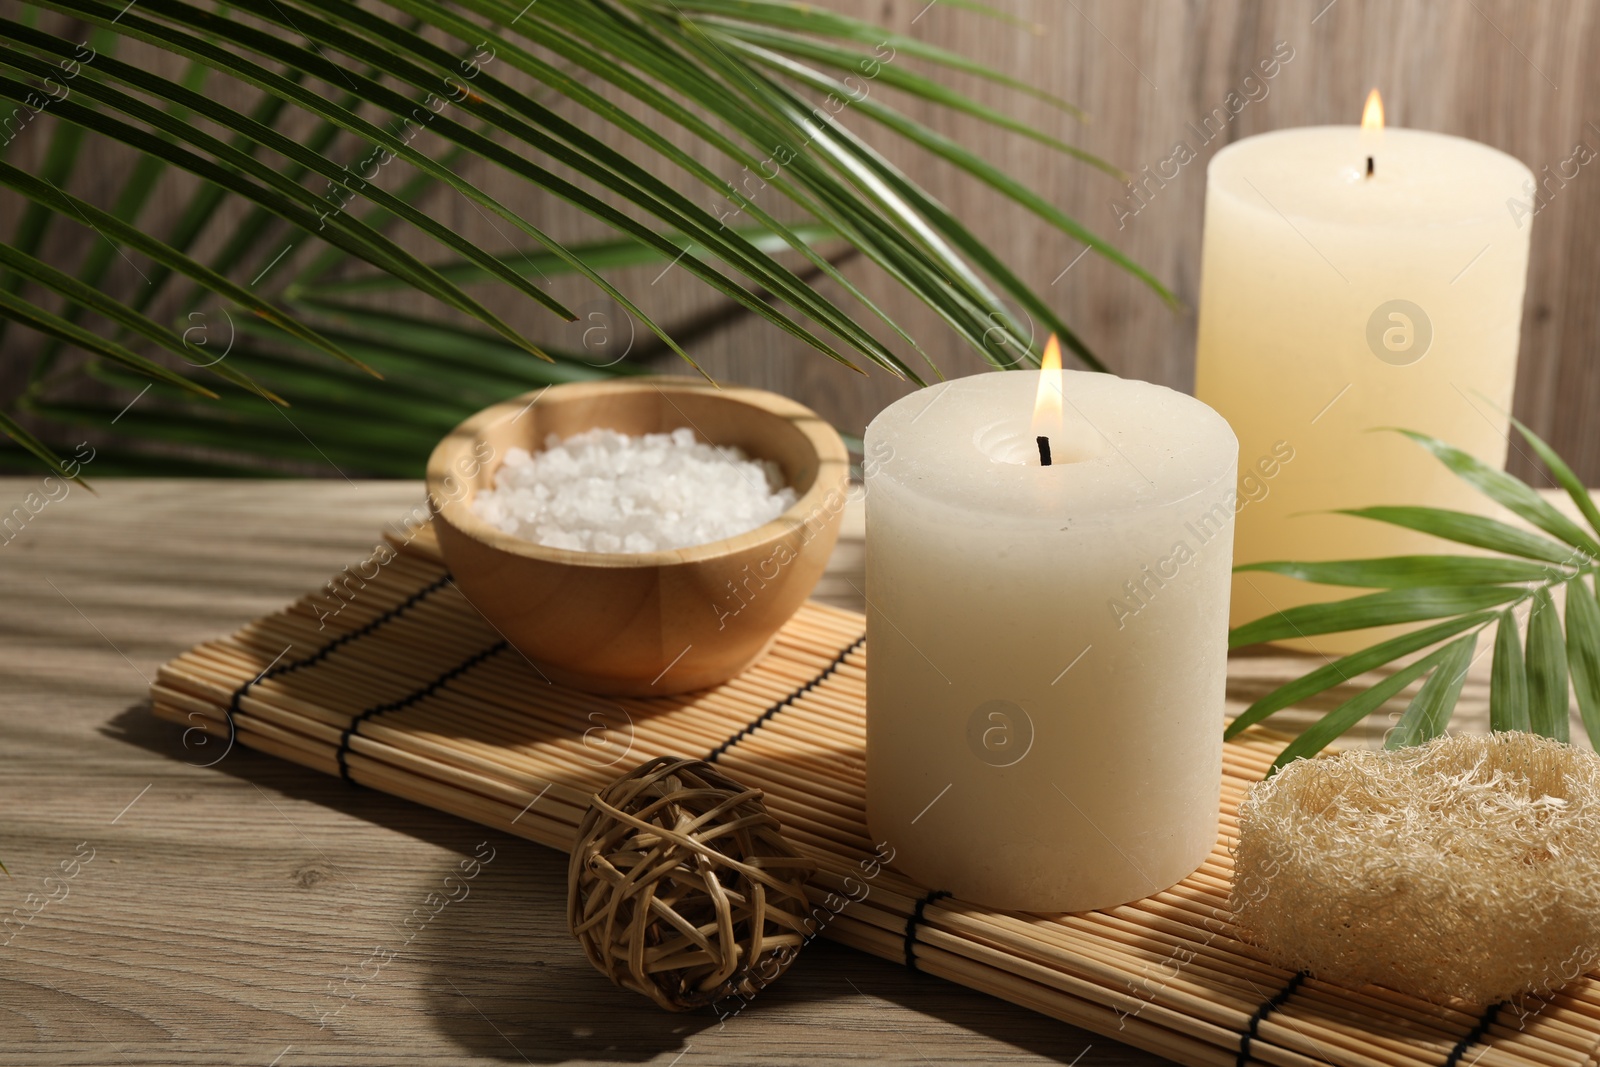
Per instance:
x=648, y=623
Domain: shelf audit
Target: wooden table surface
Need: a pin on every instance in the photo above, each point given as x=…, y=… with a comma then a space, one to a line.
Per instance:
x=213, y=908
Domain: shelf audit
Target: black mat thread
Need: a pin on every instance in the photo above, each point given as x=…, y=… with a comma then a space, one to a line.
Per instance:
x=765, y=716
x=915, y=921
x=232, y=709
x=1267, y=1007
x=1485, y=1021
x=409, y=699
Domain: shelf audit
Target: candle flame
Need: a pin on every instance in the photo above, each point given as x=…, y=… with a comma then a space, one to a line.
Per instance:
x=1047, y=401
x=1372, y=124
x=1372, y=114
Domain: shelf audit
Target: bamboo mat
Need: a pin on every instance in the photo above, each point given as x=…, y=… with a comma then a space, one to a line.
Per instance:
x=390, y=678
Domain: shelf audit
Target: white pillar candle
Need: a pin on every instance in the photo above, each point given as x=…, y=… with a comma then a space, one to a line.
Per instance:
x=1332, y=303
x=1047, y=645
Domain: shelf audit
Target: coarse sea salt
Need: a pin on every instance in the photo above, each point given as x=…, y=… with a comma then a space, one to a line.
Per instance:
x=604, y=491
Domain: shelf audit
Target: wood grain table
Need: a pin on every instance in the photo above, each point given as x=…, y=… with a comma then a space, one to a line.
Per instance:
x=211, y=915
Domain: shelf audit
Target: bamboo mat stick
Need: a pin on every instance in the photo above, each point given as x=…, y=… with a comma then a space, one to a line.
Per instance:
x=1138, y=1030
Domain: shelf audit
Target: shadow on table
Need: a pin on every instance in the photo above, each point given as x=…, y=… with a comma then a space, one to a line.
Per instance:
x=501, y=976
x=504, y=980
x=524, y=992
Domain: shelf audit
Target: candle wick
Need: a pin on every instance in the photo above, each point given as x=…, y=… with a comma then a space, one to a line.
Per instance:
x=1044, y=450
x=1369, y=166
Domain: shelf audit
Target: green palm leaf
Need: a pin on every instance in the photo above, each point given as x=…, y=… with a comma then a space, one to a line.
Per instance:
x=1547, y=669
x=382, y=337
x=336, y=228
x=202, y=210
x=1510, y=491
x=1323, y=733
x=81, y=295
x=1388, y=608
x=810, y=19
x=617, y=73
x=1349, y=667
x=65, y=142
x=110, y=227
x=609, y=168
x=36, y=448
x=706, y=89
x=601, y=255
x=131, y=200
x=871, y=66
x=1508, y=684
x=974, y=306
x=968, y=161
x=1405, y=572
x=313, y=60
x=1467, y=529
x=879, y=221
x=1528, y=684
x=1563, y=475
x=1583, y=654
x=1429, y=711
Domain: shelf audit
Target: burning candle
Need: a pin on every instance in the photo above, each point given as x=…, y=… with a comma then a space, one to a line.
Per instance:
x=1047, y=633
x=1354, y=279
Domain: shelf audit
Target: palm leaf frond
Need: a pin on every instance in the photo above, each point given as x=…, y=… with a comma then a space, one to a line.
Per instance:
x=1531, y=683
x=725, y=94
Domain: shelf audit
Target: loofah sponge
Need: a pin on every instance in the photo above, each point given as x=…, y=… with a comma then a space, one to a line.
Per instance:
x=1467, y=867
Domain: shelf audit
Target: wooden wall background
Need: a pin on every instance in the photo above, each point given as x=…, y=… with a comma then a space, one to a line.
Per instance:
x=1519, y=76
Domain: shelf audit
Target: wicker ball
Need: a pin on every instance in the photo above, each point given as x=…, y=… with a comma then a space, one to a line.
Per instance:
x=1467, y=867
x=682, y=887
